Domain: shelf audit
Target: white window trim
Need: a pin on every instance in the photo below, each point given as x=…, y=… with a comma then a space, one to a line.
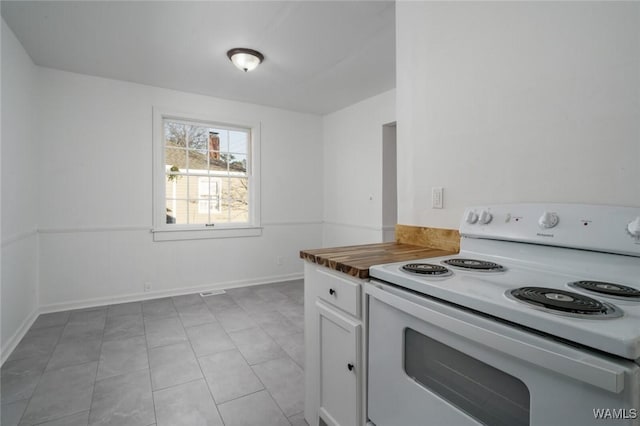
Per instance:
x=165, y=232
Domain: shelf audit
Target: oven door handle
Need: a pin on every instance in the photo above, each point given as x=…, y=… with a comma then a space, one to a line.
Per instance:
x=561, y=359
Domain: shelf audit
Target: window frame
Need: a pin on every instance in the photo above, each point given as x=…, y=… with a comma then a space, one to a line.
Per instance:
x=169, y=232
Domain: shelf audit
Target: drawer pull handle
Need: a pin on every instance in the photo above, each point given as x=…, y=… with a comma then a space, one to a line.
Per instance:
x=350, y=367
x=332, y=291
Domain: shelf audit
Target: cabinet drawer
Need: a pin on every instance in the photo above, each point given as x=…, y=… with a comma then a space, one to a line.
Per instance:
x=339, y=291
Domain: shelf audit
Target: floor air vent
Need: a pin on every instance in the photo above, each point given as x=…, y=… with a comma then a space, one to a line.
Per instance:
x=212, y=293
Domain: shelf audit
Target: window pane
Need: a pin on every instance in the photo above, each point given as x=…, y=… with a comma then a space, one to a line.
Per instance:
x=176, y=186
x=218, y=163
x=193, y=187
x=198, y=211
x=175, y=158
x=223, y=135
x=222, y=216
x=214, y=141
x=227, y=158
x=199, y=138
x=235, y=189
x=198, y=162
x=209, y=195
x=231, y=211
x=175, y=134
x=213, y=152
x=239, y=211
x=238, y=141
x=238, y=199
x=176, y=212
x=238, y=163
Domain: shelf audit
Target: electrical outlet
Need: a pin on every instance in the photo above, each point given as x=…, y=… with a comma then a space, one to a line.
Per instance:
x=437, y=195
x=147, y=286
x=279, y=260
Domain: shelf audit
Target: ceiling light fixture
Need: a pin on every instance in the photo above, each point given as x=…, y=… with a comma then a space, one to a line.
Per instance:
x=245, y=59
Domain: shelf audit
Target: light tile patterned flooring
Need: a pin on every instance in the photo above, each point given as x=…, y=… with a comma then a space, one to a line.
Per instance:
x=230, y=359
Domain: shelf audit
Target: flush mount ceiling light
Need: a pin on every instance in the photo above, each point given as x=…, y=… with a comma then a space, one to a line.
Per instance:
x=245, y=59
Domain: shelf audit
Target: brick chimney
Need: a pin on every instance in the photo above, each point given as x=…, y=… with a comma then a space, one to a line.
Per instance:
x=214, y=146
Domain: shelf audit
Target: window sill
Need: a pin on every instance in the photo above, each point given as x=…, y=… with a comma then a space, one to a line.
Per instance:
x=203, y=234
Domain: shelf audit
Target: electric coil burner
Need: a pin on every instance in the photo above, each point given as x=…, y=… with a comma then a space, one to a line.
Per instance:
x=564, y=302
x=426, y=269
x=474, y=264
x=617, y=291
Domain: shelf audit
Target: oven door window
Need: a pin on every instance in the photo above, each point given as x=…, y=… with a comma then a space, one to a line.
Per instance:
x=485, y=393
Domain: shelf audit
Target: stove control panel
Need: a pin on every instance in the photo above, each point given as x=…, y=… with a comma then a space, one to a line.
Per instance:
x=485, y=217
x=548, y=220
x=634, y=227
x=471, y=217
x=611, y=229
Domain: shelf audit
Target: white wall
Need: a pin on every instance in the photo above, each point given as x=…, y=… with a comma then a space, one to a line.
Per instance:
x=18, y=292
x=95, y=195
x=513, y=102
x=352, y=143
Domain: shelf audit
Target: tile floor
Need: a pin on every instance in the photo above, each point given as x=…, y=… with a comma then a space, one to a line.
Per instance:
x=230, y=359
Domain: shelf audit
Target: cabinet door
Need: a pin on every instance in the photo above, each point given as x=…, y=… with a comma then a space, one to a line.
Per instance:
x=340, y=367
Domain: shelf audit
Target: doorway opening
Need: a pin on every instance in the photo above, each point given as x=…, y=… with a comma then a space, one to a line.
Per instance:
x=389, y=182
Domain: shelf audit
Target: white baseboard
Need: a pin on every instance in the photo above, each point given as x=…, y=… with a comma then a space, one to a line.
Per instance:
x=137, y=297
x=11, y=344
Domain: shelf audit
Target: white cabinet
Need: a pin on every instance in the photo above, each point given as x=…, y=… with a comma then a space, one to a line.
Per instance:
x=335, y=367
x=340, y=367
x=341, y=292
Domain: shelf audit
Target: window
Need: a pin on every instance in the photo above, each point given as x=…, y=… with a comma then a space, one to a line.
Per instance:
x=205, y=178
x=208, y=195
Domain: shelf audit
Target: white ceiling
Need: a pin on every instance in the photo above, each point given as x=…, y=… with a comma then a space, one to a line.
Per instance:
x=320, y=56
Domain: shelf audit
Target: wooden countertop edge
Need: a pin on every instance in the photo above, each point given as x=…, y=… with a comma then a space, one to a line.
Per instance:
x=356, y=260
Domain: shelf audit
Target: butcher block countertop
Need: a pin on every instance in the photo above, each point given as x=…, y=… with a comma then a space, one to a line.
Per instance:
x=356, y=260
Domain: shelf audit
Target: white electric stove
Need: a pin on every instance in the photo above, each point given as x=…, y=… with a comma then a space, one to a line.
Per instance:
x=542, y=301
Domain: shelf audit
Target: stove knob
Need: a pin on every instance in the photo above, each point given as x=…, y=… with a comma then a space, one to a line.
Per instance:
x=634, y=228
x=472, y=217
x=485, y=217
x=548, y=220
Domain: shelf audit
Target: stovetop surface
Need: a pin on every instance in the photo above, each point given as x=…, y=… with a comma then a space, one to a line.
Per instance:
x=530, y=265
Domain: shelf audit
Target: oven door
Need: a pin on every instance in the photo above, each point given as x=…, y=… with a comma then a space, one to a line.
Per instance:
x=431, y=363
